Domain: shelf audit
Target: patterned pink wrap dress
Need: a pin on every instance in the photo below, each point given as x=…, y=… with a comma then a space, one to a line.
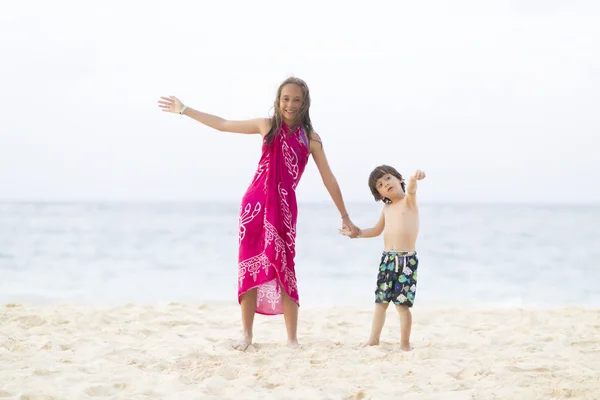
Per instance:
x=267, y=223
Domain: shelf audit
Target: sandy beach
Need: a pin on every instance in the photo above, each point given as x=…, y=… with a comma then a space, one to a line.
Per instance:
x=177, y=351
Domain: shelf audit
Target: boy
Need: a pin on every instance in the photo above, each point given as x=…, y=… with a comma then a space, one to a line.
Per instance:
x=399, y=222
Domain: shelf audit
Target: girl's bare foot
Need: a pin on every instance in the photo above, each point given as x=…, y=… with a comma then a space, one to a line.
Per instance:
x=405, y=347
x=293, y=344
x=243, y=343
x=371, y=342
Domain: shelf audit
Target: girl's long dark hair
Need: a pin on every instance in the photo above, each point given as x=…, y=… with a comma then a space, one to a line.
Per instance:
x=304, y=116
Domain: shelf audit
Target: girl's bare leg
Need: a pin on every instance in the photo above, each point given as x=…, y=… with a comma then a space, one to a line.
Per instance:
x=248, y=306
x=290, y=314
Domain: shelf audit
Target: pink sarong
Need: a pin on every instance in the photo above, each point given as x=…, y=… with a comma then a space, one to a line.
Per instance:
x=267, y=224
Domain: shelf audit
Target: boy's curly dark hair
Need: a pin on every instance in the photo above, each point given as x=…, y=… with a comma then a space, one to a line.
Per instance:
x=376, y=174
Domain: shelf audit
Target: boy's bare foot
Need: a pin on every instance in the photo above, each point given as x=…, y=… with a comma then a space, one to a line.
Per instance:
x=243, y=343
x=293, y=344
x=405, y=347
x=371, y=342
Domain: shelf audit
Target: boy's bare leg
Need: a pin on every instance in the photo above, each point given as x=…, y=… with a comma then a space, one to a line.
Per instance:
x=378, y=322
x=248, y=305
x=405, y=326
x=290, y=314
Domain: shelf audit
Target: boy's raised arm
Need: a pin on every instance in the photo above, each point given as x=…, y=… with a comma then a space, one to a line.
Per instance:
x=411, y=188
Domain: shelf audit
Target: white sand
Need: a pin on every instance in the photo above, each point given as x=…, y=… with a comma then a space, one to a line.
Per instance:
x=180, y=351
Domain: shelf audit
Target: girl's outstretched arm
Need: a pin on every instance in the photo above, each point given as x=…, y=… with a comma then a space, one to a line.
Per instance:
x=250, y=126
x=331, y=184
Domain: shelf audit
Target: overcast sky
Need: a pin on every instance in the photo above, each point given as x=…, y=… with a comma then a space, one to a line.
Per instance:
x=496, y=100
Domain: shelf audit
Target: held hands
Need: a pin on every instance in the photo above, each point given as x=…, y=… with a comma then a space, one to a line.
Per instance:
x=418, y=175
x=170, y=104
x=349, y=229
x=345, y=231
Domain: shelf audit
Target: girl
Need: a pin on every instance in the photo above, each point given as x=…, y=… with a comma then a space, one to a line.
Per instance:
x=267, y=223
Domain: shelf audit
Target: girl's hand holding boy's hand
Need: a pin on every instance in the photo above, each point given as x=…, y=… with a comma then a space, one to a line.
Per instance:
x=345, y=232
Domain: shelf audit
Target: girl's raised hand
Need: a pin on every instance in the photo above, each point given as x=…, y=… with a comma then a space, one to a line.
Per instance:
x=170, y=104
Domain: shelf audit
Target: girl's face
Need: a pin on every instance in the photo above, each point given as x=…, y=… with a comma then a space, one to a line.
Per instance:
x=290, y=103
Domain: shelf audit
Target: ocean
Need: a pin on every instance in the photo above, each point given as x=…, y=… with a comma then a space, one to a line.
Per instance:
x=469, y=255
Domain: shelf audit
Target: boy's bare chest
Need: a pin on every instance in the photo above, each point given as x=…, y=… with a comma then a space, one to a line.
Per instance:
x=399, y=217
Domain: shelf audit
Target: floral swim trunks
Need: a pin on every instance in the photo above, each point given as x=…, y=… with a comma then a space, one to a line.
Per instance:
x=397, y=278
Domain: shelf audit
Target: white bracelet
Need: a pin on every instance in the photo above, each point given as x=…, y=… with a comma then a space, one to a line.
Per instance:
x=182, y=110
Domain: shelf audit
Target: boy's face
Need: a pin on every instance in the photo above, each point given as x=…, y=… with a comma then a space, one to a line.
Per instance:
x=389, y=186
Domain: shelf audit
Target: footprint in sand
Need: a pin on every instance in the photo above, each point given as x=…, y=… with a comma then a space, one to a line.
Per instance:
x=44, y=372
x=47, y=346
x=361, y=395
x=99, y=391
x=271, y=386
x=35, y=396
x=527, y=369
x=464, y=373
x=590, y=351
x=120, y=386
x=226, y=373
x=586, y=343
x=261, y=361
